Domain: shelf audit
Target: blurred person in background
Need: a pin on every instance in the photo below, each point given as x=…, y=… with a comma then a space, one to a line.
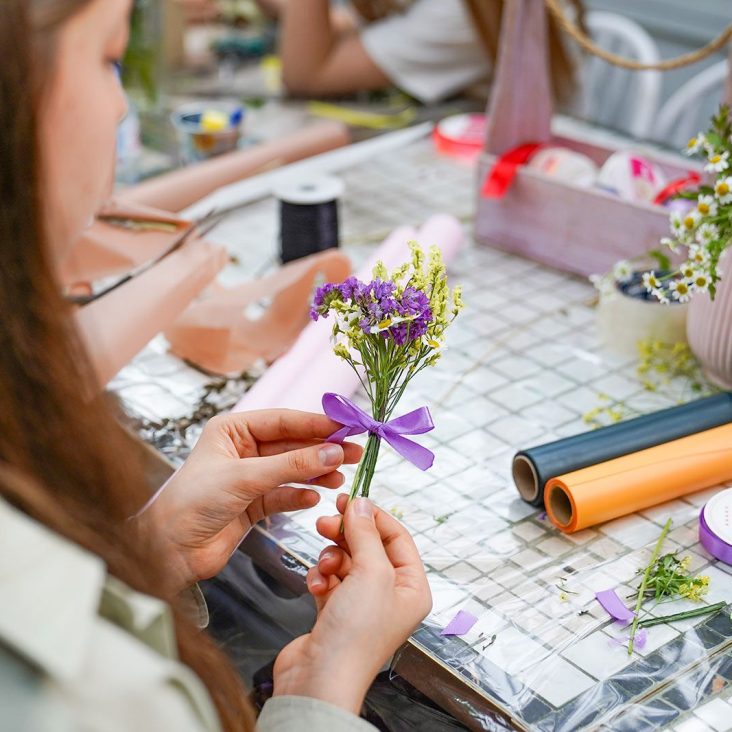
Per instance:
x=431, y=49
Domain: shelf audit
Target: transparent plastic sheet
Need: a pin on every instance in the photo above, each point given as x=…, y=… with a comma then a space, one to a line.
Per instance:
x=523, y=365
x=252, y=616
x=544, y=655
x=549, y=663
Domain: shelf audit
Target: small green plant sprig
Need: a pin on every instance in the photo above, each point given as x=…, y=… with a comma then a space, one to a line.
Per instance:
x=664, y=579
x=660, y=367
x=660, y=364
x=670, y=578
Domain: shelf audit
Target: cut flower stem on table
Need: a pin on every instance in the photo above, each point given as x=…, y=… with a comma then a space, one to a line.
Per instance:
x=664, y=579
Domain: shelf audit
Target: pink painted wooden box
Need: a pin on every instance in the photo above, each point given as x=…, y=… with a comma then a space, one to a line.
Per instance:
x=571, y=228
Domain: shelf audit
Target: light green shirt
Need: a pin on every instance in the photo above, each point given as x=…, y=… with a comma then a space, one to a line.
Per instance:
x=79, y=650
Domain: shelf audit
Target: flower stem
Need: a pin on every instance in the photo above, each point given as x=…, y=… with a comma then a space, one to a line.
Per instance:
x=644, y=582
x=365, y=470
x=706, y=610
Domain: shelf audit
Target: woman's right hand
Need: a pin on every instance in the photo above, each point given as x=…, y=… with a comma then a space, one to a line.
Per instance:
x=371, y=592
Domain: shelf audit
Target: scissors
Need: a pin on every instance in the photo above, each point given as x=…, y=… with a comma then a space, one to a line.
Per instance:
x=201, y=227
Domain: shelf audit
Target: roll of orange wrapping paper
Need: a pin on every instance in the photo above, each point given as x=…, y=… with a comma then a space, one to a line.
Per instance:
x=178, y=189
x=631, y=483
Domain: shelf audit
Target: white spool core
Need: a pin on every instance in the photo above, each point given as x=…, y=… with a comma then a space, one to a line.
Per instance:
x=718, y=515
x=310, y=192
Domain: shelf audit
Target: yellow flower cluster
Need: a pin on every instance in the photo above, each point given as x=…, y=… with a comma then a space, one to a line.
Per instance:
x=695, y=589
x=661, y=363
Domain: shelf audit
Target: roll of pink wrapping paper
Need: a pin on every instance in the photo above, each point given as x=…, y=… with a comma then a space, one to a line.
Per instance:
x=180, y=188
x=299, y=379
x=217, y=334
x=118, y=326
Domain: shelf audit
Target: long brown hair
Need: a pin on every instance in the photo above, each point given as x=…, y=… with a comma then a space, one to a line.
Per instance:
x=80, y=476
x=486, y=15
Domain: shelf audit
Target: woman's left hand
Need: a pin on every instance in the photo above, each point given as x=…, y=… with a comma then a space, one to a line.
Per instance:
x=234, y=478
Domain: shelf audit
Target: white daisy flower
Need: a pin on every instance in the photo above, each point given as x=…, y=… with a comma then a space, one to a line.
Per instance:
x=696, y=144
x=705, y=234
x=680, y=290
x=717, y=163
x=698, y=255
x=623, y=271
x=603, y=284
x=677, y=224
x=650, y=281
x=661, y=296
x=706, y=206
x=433, y=343
x=391, y=321
x=687, y=270
x=690, y=220
x=700, y=282
x=723, y=190
x=672, y=244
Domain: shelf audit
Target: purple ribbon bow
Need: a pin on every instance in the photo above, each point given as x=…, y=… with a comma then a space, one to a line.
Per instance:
x=355, y=422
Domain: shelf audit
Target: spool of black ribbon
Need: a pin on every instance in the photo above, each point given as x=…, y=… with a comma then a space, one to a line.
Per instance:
x=308, y=217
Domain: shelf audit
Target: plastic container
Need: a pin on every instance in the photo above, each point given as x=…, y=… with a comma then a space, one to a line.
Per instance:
x=199, y=143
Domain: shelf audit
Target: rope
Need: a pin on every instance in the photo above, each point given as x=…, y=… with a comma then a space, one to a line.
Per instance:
x=672, y=63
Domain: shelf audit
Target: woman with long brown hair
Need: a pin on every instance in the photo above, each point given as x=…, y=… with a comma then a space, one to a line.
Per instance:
x=431, y=49
x=96, y=597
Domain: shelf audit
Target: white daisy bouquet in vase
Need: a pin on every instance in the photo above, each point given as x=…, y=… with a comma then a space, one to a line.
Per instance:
x=704, y=231
x=628, y=314
x=701, y=232
x=387, y=330
x=704, y=234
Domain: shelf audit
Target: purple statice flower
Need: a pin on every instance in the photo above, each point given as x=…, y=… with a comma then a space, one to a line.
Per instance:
x=379, y=302
x=324, y=296
x=381, y=289
x=412, y=330
x=414, y=302
x=352, y=289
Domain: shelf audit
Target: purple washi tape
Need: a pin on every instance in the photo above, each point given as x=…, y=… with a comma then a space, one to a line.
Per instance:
x=615, y=607
x=460, y=624
x=715, y=526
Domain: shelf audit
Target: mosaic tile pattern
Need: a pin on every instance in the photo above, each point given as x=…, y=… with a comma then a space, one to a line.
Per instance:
x=523, y=365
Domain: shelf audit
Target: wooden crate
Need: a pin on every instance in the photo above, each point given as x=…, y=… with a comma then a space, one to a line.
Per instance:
x=568, y=227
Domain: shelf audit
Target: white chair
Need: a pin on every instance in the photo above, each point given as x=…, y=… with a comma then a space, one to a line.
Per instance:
x=619, y=98
x=688, y=109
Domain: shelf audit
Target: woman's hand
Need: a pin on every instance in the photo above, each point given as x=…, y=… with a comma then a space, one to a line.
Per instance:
x=371, y=592
x=234, y=478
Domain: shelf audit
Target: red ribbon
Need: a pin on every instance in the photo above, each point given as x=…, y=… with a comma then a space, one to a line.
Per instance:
x=501, y=176
x=676, y=186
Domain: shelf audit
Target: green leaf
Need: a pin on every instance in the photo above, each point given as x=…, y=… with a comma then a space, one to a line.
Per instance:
x=663, y=260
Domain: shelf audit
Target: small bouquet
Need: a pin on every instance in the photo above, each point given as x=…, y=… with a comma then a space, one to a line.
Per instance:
x=705, y=230
x=388, y=330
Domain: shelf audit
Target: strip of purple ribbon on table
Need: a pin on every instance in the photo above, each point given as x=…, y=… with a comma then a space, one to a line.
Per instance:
x=355, y=422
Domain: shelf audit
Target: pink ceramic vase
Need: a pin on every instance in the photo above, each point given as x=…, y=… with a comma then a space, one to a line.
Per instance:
x=709, y=331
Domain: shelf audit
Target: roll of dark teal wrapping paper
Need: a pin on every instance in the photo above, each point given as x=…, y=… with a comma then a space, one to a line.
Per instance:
x=532, y=468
